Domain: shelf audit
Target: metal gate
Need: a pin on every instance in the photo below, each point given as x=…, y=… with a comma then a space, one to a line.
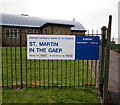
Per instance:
x=18, y=71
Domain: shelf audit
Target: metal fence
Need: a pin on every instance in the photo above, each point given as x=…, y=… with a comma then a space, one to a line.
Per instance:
x=18, y=71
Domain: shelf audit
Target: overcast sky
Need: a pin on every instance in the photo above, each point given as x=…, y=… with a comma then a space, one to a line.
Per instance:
x=92, y=14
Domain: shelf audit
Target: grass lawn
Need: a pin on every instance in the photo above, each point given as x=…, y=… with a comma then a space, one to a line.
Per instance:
x=18, y=68
x=45, y=72
x=51, y=95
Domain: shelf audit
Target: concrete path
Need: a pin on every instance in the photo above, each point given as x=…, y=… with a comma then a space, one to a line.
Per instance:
x=113, y=79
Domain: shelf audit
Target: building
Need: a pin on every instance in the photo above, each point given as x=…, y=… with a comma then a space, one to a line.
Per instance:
x=17, y=27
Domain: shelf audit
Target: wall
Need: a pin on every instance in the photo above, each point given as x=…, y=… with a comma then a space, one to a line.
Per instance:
x=16, y=41
x=49, y=29
x=55, y=29
x=77, y=32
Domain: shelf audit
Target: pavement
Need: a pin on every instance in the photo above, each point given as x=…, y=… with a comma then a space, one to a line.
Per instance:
x=114, y=84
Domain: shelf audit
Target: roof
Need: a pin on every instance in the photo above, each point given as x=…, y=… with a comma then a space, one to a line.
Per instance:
x=29, y=21
x=77, y=25
x=19, y=20
x=60, y=24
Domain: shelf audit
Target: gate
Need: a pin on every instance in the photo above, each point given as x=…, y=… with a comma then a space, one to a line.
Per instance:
x=18, y=71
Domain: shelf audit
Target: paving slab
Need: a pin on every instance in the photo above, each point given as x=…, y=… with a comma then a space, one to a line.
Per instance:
x=114, y=83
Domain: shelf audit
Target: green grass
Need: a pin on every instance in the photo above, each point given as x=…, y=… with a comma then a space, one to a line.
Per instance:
x=50, y=95
x=46, y=72
x=43, y=72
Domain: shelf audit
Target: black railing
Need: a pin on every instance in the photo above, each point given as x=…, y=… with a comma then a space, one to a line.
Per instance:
x=18, y=71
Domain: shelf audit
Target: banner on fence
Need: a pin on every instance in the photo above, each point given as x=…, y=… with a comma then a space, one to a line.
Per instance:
x=69, y=47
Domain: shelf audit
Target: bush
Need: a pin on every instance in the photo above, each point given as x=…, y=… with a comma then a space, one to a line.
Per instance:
x=115, y=47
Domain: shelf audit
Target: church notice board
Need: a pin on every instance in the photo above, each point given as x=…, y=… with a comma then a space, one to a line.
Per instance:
x=66, y=47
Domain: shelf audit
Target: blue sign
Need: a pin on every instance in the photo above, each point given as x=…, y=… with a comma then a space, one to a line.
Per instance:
x=69, y=47
x=87, y=47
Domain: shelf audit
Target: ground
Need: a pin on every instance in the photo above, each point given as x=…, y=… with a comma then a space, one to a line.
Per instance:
x=113, y=77
x=51, y=95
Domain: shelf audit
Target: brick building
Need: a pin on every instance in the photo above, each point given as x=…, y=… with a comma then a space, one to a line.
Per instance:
x=15, y=27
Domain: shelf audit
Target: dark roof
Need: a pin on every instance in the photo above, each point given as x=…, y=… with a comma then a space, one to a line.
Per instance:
x=29, y=21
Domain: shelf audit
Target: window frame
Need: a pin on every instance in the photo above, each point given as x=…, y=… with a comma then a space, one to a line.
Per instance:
x=11, y=33
x=32, y=31
x=7, y=34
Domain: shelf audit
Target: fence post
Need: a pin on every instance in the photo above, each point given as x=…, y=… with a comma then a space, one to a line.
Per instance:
x=102, y=60
x=107, y=62
x=21, y=58
x=1, y=64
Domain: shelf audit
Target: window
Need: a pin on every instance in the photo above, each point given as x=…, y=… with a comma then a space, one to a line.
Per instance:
x=11, y=33
x=35, y=31
x=15, y=33
x=7, y=33
x=45, y=31
x=31, y=31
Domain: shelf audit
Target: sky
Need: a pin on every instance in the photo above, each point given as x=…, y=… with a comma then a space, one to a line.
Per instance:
x=92, y=14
